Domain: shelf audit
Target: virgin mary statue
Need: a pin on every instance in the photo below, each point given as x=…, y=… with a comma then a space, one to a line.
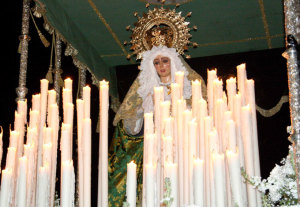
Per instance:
x=159, y=63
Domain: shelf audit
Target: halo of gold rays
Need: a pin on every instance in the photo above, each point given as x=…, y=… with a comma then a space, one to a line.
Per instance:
x=160, y=26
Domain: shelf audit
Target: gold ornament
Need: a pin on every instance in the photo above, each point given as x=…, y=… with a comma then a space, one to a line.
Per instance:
x=160, y=26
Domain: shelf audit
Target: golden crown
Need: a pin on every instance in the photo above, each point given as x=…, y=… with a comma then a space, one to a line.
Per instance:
x=160, y=26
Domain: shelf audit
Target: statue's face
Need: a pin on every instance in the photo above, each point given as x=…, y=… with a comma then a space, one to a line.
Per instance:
x=163, y=66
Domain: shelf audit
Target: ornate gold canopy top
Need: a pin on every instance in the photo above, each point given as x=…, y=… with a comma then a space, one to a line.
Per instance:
x=160, y=26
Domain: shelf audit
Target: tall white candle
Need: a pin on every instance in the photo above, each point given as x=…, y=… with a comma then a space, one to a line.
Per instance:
x=21, y=183
x=68, y=83
x=187, y=116
x=103, y=145
x=87, y=101
x=67, y=184
x=180, y=142
x=34, y=118
x=201, y=128
x=235, y=177
x=241, y=78
x=13, y=139
x=54, y=124
x=197, y=95
x=191, y=156
x=171, y=173
x=150, y=184
x=51, y=100
x=231, y=91
x=232, y=143
x=86, y=153
x=198, y=183
x=131, y=184
x=208, y=125
x=65, y=145
x=47, y=155
x=175, y=95
x=250, y=99
x=36, y=102
x=43, y=111
x=179, y=77
x=80, y=115
x=6, y=184
x=249, y=152
x=42, y=199
x=219, y=179
x=211, y=76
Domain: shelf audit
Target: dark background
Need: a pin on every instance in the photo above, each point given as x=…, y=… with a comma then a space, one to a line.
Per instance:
x=267, y=68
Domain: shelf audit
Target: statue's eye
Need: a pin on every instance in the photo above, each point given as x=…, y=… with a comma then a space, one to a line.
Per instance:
x=165, y=60
x=156, y=62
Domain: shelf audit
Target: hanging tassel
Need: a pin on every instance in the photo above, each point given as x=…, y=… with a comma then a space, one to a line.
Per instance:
x=49, y=75
x=20, y=47
x=45, y=42
x=60, y=81
x=42, y=37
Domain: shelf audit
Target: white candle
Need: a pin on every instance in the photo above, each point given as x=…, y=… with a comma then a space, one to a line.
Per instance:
x=241, y=78
x=237, y=119
x=51, y=100
x=191, y=156
x=54, y=124
x=197, y=95
x=36, y=102
x=219, y=179
x=218, y=94
x=250, y=99
x=42, y=199
x=43, y=111
x=198, y=183
x=103, y=145
x=249, y=152
x=211, y=76
x=47, y=135
x=65, y=145
x=232, y=143
x=13, y=139
x=21, y=183
x=47, y=155
x=86, y=153
x=87, y=101
x=67, y=184
x=68, y=83
x=201, y=128
x=6, y=187
x=1, y=144
x=34, y=118
x=168, y=148
x=150, y=184
x=208, y=122
x=231, y=91
x=20, y=119
x=235, y=177
x=171, y=173
x=175, y=95
x=131, y=184
x=22, y=109
x=148, y=123
x=187, y=116
x=80, y=115
x=179, y=77
x=11, y=158
x=180, y=143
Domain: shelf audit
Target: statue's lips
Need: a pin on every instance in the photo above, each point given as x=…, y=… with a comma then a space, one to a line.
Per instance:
x=162, y=71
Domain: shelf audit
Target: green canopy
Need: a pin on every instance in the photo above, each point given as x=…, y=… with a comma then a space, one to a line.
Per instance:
x=96, y=28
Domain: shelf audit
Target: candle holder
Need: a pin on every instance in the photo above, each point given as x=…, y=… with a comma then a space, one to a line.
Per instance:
x=58, y=82
x=24, y=39
x=292, y=23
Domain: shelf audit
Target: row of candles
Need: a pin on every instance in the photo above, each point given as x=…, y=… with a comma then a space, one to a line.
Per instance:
x=201, y=148
x=29, y=177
